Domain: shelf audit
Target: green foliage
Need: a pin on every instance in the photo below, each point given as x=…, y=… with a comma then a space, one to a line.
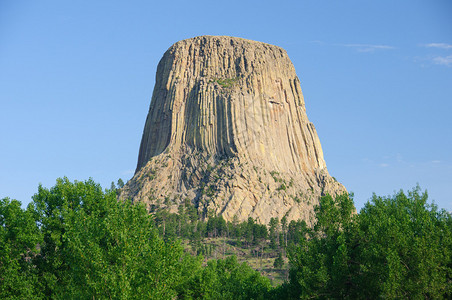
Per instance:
x=275, y=175
x=94, y=245
x=226, y=279
x=273, y=232
x=120, y=183
x=19, y=237
x=225, y=82
x=333, y=213
x=216, y=226
x=404, y=247
x=296, y=231
x=210, y=191
x=77, y=241
x=186, y=224
x=279, y=262
x=317, y=262
x=397, y=247
x=282, y=187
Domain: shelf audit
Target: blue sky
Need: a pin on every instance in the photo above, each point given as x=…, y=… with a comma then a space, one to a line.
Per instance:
x=76, y=78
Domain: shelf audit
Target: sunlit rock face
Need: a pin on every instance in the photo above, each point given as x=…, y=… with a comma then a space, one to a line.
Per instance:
x=227, y=129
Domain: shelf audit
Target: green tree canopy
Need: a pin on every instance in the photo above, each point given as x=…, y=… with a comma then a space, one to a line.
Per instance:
x=19, y=239
x=396, y=247
x=226, y=279
x=95, y=245
x=404, y=247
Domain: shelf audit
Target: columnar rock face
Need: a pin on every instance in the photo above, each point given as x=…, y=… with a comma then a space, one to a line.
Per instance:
x=227, y=130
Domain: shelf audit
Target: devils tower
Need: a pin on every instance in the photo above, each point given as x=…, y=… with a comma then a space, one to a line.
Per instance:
x=227, y=130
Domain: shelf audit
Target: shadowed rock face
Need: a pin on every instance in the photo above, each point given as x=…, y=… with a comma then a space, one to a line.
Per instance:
x=227, y=129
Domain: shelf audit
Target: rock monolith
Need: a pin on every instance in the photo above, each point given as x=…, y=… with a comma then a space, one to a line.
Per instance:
x=227, y=131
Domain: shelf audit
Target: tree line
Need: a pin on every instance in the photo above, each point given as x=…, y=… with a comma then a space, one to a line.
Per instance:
x=188, y=224
x=76, y=240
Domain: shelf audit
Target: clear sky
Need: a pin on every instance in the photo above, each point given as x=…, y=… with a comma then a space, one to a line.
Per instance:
x=76, y=78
